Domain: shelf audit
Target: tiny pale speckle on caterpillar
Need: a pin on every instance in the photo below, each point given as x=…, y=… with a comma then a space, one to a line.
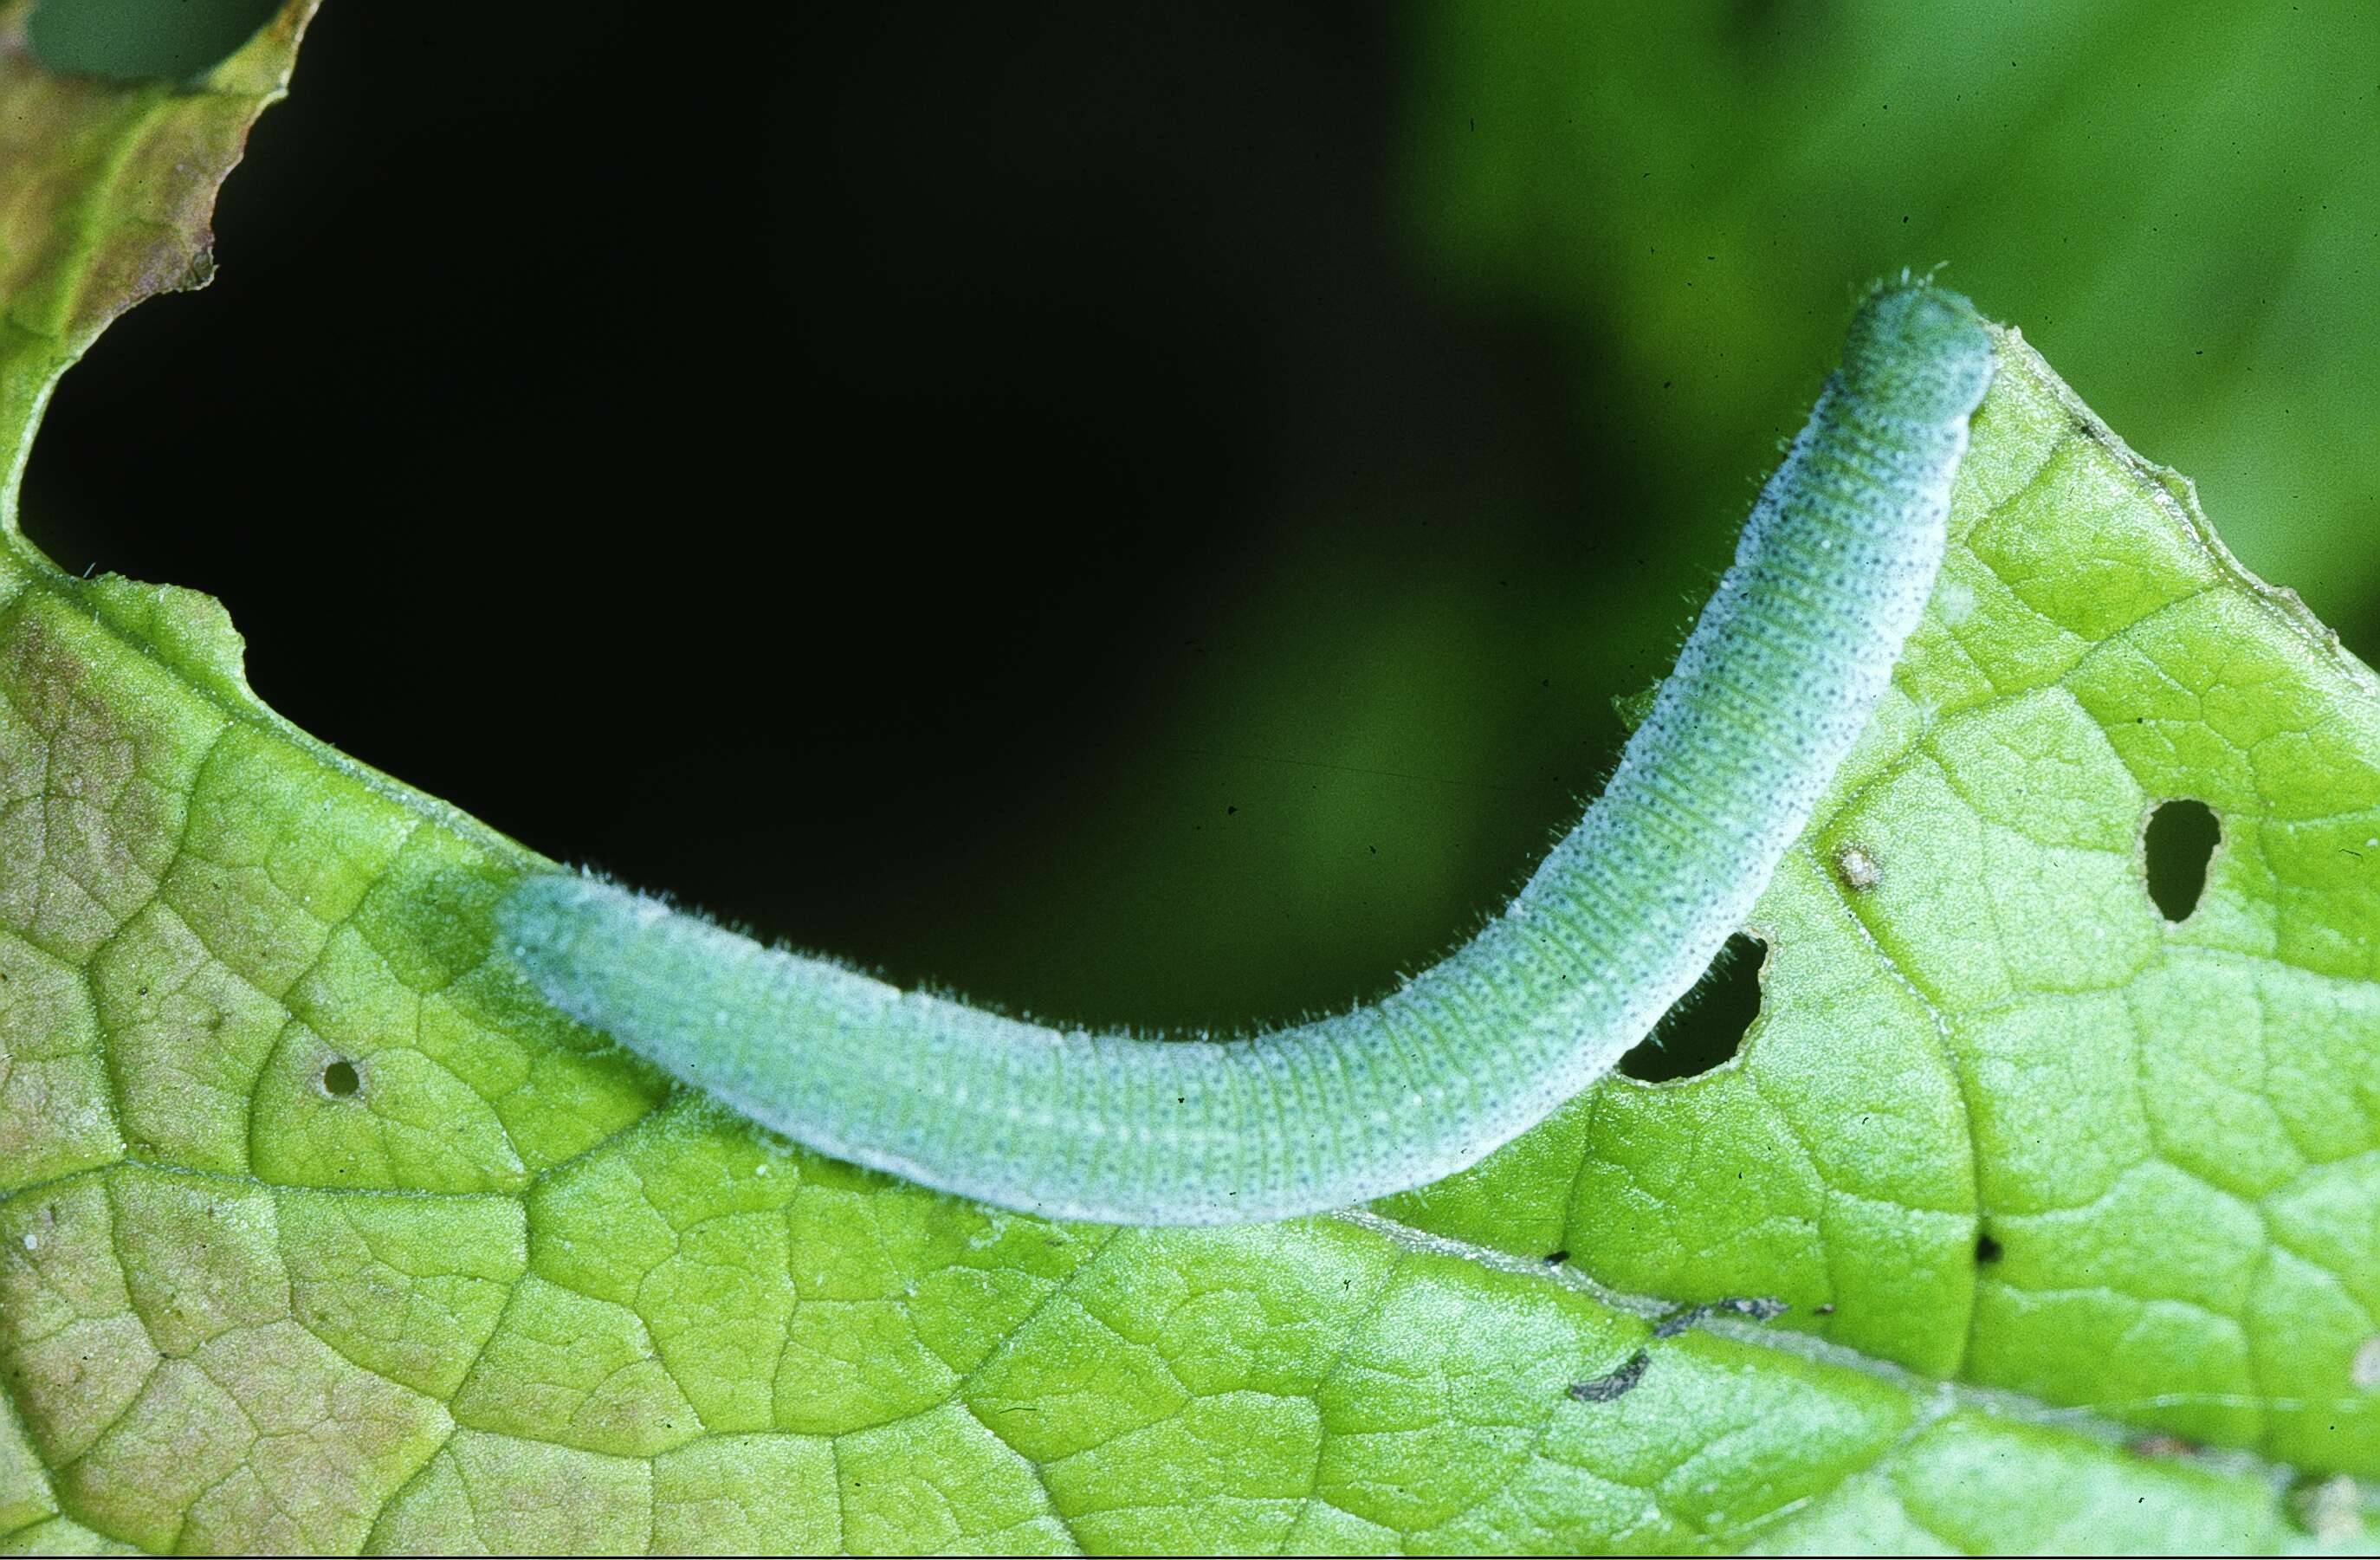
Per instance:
x=1778, y=677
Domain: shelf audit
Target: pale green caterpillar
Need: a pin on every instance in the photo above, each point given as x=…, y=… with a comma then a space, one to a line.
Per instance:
x=1778, y=677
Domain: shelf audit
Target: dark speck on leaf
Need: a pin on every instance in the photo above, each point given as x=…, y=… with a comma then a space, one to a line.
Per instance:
x=1756, y=1307
x=1619, y=1384
x=1556, y=1259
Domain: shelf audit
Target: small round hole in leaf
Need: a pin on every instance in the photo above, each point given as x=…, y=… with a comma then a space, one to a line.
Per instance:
x=2175, y=849
x=1707, y=1024
x=1987, y=1249
x=340, y=1079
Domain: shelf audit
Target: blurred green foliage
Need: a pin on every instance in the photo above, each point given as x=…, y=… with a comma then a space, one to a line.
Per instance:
x=140, y=40
x=2178, y=203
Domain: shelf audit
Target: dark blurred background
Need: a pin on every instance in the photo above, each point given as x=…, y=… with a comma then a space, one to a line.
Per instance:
x=1139, y=512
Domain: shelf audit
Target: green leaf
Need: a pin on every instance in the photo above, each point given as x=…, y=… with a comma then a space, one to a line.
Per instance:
x=318, y=1232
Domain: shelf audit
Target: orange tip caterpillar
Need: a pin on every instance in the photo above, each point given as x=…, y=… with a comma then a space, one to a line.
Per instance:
x=1772, y=687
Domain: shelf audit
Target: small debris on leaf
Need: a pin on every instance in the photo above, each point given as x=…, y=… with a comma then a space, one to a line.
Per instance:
x=1617, y=1385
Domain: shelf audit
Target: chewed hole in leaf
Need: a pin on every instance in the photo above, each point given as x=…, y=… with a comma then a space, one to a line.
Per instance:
x=1987, y=1249
x=341, y=1080
x=2176, y=847
x=1707, y=1024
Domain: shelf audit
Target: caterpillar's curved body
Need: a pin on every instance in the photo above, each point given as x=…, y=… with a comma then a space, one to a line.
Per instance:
x=1778, y=678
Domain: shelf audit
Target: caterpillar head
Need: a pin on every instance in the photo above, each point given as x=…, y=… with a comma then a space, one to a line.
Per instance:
x=1918, y=351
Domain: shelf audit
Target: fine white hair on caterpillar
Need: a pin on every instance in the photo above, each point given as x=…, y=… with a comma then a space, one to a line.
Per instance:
x=1780, y=674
